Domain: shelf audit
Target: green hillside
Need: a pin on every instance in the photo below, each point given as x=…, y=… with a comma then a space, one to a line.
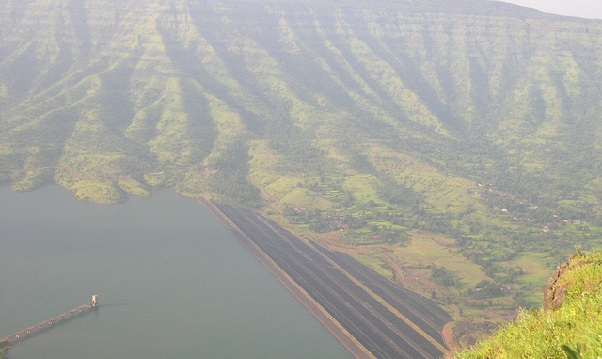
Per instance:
x=569, y=327
x=453, y=146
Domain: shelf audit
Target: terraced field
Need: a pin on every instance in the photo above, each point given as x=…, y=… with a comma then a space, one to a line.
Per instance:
x=456, y=144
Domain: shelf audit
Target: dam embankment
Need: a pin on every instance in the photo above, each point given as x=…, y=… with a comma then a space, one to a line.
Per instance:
x=369, y=315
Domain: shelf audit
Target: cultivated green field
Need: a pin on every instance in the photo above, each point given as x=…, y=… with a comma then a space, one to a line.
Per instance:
x=455, y=148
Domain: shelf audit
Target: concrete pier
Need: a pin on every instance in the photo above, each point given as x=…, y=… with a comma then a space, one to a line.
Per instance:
x=49, y=323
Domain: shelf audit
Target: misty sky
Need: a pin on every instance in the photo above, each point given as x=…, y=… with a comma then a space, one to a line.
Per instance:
x=580, y=8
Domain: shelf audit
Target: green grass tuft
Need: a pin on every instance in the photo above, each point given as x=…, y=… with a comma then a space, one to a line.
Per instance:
x=572, y=330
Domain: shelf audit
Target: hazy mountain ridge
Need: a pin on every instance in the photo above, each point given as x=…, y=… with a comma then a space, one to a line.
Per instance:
x=526, y=81
x=368, y=121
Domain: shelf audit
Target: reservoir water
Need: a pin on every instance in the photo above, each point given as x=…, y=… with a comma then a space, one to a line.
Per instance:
x=173, y=283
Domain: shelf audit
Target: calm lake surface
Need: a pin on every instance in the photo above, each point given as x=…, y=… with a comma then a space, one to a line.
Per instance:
x=173, y=283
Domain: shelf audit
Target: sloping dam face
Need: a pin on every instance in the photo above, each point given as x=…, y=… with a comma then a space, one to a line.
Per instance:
x=386, y=320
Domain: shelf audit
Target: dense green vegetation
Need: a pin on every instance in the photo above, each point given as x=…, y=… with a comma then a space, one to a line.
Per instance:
x=456, y=146
x=569, y=327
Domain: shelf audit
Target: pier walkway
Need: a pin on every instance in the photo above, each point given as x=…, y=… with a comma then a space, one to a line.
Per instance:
x=8, y=340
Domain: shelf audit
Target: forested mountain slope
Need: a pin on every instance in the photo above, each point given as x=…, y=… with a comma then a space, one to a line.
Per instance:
x=453, y=145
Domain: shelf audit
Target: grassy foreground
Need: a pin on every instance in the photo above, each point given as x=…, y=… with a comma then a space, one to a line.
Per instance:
x=569, y=326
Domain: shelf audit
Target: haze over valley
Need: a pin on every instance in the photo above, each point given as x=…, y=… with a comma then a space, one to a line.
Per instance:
x=451, y=147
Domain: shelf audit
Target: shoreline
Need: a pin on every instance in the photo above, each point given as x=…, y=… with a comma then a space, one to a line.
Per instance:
x=348, y=341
